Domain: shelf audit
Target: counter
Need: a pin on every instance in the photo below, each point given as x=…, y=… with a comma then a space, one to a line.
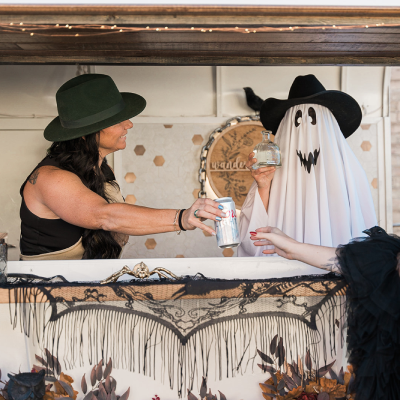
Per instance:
x=164, y=337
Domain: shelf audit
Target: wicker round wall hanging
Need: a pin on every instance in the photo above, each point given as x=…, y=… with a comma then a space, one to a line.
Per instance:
x=223, y=159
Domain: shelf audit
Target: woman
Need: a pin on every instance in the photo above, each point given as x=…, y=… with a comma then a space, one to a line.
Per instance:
x=71, y=205
x=371, y=268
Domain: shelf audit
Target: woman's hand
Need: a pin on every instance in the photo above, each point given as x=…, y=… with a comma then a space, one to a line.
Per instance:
x=263, y=176
x=207, y=209
x=285, y=246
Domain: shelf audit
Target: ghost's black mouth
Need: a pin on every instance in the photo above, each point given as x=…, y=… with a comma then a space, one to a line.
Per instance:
x=311, y=160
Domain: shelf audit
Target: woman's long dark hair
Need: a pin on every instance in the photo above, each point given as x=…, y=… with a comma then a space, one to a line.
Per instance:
x=81, y=157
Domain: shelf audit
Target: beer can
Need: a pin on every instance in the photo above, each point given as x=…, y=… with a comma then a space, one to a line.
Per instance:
x=227, y=229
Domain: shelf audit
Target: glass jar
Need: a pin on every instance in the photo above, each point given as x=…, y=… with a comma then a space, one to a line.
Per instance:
x=267, y=152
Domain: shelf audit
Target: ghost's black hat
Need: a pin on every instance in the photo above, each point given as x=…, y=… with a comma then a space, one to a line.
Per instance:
x=309, y=90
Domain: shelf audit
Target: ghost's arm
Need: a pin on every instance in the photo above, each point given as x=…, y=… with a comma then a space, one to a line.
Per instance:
x=263, y=177
x=252, y=216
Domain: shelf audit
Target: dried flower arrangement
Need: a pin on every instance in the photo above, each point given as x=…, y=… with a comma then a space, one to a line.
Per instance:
x=203, y=393
x=295, y=382
x=103, y=384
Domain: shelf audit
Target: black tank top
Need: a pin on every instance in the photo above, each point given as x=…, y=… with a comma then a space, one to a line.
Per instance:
x=42, y=235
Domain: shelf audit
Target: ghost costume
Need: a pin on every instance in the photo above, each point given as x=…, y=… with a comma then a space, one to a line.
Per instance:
x=320, y=195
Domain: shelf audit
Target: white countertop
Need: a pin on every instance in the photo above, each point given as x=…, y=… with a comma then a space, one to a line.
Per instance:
x=218, y=267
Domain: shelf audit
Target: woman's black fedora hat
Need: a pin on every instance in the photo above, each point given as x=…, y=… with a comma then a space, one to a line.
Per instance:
x=89, y=103
x=309, y=90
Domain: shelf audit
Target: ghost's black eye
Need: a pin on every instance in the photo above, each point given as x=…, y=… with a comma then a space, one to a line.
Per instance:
x=312, y=115
x=297, y=118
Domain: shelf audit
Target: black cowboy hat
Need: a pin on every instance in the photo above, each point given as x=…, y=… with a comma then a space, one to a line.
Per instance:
x=89, y=103
x=309, y=90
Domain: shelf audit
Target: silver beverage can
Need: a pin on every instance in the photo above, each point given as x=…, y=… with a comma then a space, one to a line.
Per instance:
x=227, y=229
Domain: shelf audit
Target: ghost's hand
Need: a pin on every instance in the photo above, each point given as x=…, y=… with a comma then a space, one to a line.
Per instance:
x=263, y=176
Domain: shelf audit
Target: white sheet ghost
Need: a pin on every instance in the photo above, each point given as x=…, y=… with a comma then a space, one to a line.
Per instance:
x=320, y=195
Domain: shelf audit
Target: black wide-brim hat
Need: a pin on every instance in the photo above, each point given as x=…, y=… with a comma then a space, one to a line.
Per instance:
x=88, y=103
x=309, y=90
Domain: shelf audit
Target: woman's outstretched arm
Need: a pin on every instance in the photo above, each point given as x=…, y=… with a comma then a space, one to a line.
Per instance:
x=317, y=256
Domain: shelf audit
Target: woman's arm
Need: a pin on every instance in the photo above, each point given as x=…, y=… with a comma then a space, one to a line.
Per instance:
x=317, y=256
x=64, y=194
x=263, y=177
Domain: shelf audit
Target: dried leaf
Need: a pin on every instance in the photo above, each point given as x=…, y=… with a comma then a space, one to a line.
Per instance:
x=209, y=396
x=300, y=366
x=281, y=352
x=56, y=365
x=89, y=396
x=269, y=395
x=273, y=376
x=267, y=368
x=40, y=359
x=68, y=389
x=308, y=360
x=289, y=382
x=347, y=377
x=296, y=378
x=125, y=395
x=341, y=376
x=93, y=376
x=333, y=375
x=324, y=370
x=108, y=369
x=296, y=369
x=191, y=396
x=265, y=358
x=38, y=369
x=113, y=383
x=203, y=388
x=99, y=371
x=66, y=378
x=49, y=357
x=83, y=384
x=50, y=379
x=221, y=396
x=102, y=392
x=113, y=396
x=109, y=396
x=265, y=386
x=323, y=396
x=107, y=384
x=272, y=346
x=281, y=384
x=48, y=387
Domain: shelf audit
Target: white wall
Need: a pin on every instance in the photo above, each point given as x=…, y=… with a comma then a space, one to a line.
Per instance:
x=202, y=98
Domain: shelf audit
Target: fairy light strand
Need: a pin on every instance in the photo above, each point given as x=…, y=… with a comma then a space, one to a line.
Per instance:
x=88, y=30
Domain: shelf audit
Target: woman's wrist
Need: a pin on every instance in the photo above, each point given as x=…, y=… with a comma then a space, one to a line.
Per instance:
x=185, y=219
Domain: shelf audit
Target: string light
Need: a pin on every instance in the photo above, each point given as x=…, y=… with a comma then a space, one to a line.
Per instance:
x=77, y=34
x=93, y=29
